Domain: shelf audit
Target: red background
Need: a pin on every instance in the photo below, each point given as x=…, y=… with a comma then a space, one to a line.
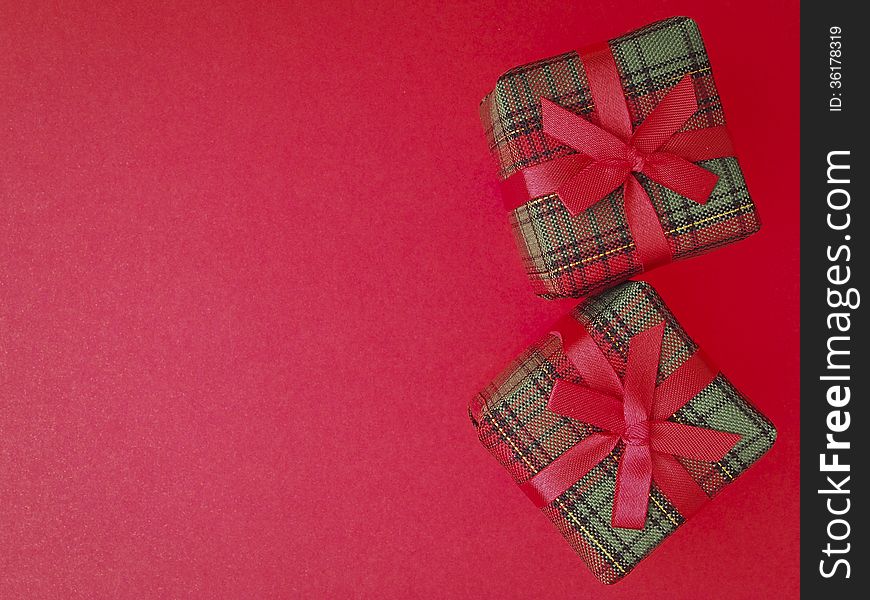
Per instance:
x=254, y=263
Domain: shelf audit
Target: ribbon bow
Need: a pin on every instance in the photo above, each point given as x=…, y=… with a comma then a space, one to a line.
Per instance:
x=632, y=411
x=610, y=154
x=614, y=159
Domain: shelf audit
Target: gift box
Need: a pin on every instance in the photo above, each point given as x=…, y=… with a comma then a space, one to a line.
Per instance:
x=616, y=159
x=618, y=427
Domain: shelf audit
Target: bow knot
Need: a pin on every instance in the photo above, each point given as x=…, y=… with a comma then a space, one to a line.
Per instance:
x=635, y=158
x=637, y=434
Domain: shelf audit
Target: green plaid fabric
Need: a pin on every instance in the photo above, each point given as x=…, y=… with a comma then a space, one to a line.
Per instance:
x=580, y=255
x=515, y=425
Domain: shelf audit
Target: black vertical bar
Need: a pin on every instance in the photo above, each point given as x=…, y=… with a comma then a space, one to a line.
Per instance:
x=834, y=263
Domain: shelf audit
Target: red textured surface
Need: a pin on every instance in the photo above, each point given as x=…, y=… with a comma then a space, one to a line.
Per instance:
x=254, y=263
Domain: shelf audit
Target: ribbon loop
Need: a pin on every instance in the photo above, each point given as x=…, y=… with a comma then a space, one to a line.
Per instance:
x=565, y=126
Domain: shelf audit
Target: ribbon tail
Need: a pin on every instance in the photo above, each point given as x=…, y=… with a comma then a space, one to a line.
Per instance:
x=646, y=229
x=633, y=479
x=692, y=442
x=685, y=178
x=701, y=144
x=570, y=467
x=677, y=484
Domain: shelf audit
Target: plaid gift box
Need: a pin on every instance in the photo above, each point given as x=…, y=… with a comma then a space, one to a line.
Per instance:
x=515, y=422
x=576, y=255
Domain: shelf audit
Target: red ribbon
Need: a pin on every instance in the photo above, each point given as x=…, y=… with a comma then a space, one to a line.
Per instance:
x=610, y=154
x=633, y=411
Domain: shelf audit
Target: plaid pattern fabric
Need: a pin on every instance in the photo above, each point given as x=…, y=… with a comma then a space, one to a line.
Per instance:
x=515, y=425
x=580, y=255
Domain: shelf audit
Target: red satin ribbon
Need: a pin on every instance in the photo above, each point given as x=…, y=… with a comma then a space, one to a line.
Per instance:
x=633, y=411
x=610, y=153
